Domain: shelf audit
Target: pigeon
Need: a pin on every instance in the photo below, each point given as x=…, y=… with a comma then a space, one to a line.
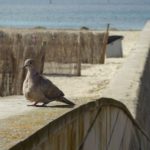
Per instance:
x=38, y=89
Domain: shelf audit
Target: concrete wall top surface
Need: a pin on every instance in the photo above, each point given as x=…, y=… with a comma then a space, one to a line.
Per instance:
x=126, y=84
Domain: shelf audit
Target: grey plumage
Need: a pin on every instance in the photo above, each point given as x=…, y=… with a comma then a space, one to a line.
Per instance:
x=37, y=88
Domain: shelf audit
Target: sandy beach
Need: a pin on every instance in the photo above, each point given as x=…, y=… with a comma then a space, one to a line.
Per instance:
x=95, y=78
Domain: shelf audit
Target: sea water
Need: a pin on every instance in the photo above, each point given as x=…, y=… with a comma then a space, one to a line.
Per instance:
x=73, y=16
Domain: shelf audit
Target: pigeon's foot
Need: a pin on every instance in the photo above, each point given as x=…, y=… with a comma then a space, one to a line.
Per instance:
x=44, y=105
x=35, y=104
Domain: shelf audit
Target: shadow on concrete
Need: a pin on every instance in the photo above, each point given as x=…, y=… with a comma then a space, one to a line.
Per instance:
x=62, y=106
x=53, y=106
x=143, y=107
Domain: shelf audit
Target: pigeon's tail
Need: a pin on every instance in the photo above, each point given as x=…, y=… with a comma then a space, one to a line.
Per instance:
x=66, y=101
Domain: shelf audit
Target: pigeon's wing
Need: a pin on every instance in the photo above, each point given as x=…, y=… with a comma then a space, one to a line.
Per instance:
x=49, y=89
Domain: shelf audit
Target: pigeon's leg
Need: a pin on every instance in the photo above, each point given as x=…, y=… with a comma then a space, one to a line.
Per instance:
x=35, y=104
x=66, y=101
x=44, y=104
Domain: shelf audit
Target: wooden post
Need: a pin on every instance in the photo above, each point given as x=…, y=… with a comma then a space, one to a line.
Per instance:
x=104, y=46
x=79, y=56
x=43, y=48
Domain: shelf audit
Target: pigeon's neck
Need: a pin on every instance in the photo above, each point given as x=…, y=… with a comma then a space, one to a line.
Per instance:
x=31, y=72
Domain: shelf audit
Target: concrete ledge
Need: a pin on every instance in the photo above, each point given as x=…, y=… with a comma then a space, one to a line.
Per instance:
x=131, y=85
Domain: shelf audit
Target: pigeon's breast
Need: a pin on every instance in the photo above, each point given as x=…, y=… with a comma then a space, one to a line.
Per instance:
x=32, y=94
x=28, y=96
x=29, y=90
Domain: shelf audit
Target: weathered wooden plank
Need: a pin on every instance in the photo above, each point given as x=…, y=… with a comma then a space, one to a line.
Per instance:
x=103, y=139
x=127, y=135
x=118, y=129
x=90, y=134
x=134, y=142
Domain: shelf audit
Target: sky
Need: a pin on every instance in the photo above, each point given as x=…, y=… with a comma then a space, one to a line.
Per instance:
x=71, y=1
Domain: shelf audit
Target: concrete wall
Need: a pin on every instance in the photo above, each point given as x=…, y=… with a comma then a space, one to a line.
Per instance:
x=103, y=124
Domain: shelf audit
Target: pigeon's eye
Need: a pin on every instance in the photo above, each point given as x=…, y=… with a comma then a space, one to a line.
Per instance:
x=30, y=62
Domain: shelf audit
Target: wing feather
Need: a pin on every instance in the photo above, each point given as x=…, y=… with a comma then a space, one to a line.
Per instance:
x=49, y=89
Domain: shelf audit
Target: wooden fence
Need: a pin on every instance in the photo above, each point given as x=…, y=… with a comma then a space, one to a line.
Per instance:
x=59, y=53
x=14, y=49
x=67, y=50
x=62, y=56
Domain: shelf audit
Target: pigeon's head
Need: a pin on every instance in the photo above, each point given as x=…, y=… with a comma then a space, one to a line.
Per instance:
x=29, y=63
